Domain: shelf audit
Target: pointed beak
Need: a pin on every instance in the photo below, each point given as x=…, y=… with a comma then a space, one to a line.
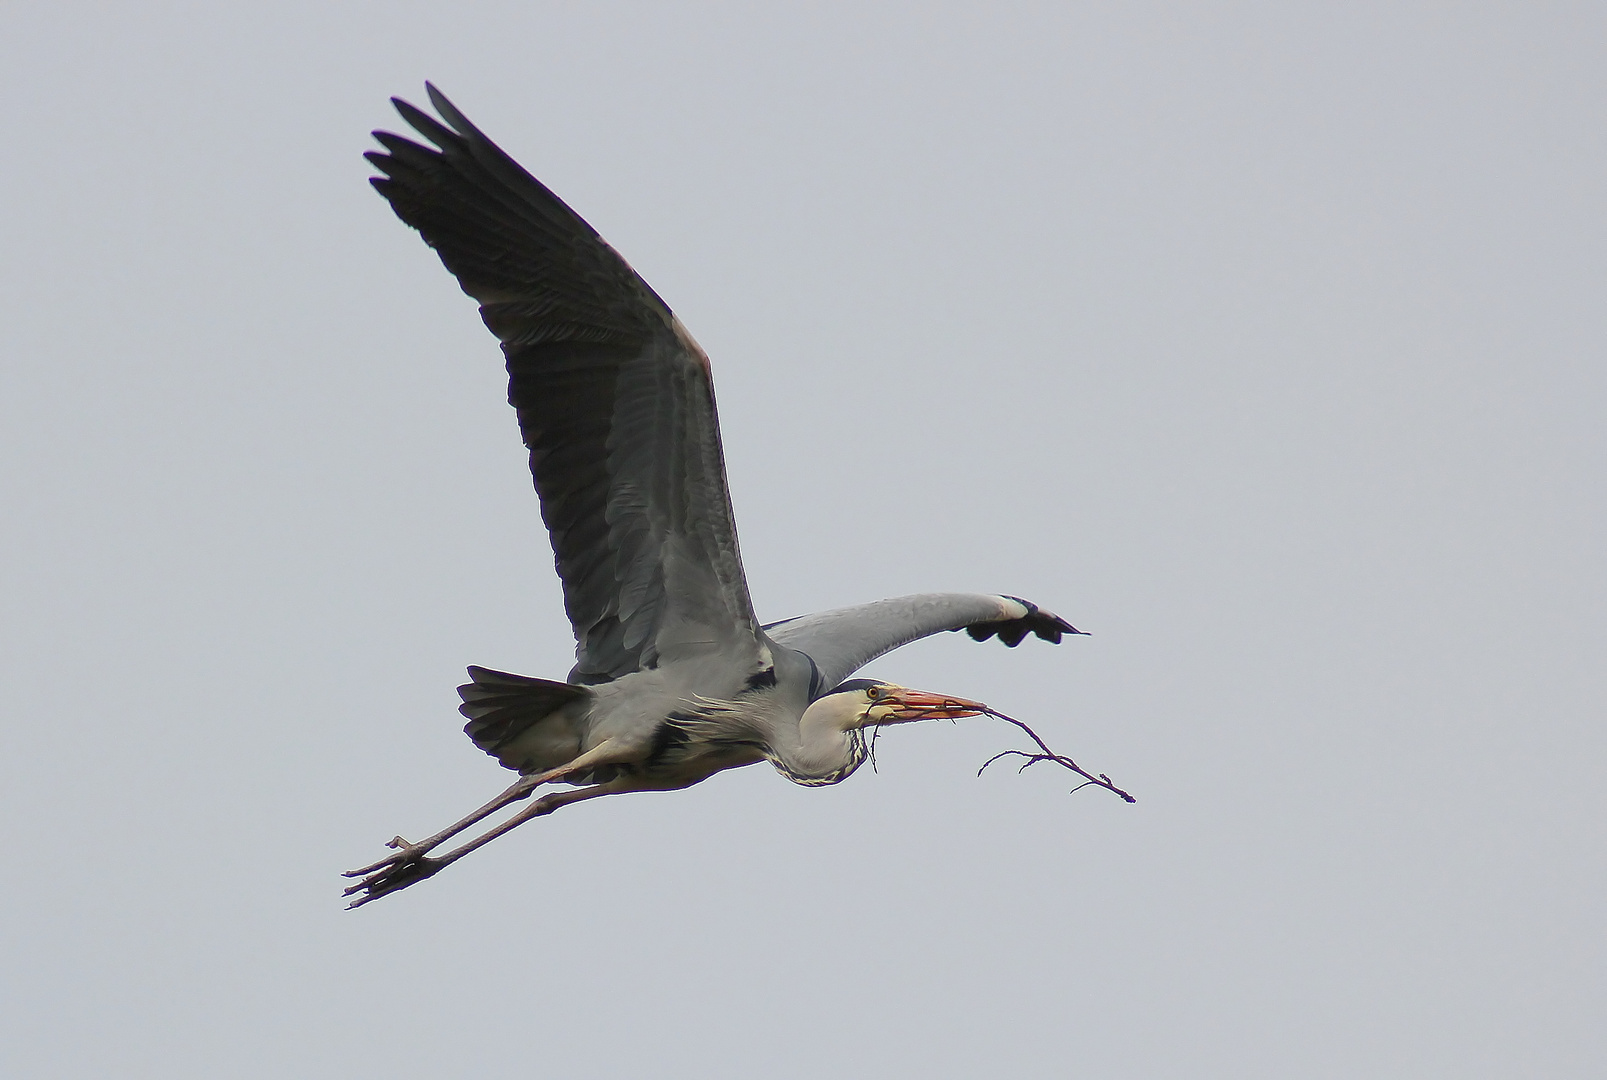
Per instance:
x=920, y=705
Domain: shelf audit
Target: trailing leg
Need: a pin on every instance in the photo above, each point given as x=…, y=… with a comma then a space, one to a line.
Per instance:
x=407, y=854
x=396, y=873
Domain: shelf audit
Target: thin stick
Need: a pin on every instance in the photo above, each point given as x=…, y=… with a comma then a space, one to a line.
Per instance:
x=1049, y=755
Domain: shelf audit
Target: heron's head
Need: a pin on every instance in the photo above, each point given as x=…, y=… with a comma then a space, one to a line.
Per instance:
x=863, y=703
x=830, y=743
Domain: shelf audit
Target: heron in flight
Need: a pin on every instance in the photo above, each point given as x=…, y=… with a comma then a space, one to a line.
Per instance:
x=675, y=679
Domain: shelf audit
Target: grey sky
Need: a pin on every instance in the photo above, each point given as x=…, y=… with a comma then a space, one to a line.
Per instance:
x=1263, y=341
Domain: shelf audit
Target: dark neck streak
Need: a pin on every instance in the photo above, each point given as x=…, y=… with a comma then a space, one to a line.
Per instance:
x=855, y=740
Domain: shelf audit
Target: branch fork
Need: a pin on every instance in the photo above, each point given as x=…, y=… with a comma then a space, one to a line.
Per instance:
x=1046, y=754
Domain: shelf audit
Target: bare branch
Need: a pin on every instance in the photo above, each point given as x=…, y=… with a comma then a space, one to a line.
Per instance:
x=1049, y=755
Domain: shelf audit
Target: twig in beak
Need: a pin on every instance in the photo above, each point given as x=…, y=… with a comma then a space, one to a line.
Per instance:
x=1049, y=755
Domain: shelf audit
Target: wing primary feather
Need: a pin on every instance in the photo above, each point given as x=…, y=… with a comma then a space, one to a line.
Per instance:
x=613, y=398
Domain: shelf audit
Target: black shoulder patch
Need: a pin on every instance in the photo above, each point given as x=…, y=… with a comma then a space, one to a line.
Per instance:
x=816, y=681
x=668, y=737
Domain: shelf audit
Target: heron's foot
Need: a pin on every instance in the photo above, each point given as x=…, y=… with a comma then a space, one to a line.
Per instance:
x=404, y=851
x=408, y=866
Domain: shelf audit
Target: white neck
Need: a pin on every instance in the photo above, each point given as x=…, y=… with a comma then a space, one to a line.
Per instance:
x=830, y=744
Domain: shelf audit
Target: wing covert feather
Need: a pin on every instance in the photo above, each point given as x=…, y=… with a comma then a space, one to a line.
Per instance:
x=843, y=640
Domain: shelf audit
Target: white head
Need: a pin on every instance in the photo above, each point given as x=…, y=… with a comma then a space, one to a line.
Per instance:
x=831, y=732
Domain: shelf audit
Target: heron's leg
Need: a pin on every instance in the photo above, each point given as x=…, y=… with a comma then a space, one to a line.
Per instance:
x=519, y=789
x=605, y=752
x=541, y=808
x=394, y=876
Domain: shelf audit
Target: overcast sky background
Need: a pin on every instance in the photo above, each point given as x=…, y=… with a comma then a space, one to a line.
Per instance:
x=1263, y=341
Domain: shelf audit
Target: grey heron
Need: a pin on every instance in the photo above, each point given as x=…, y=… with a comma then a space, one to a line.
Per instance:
x=675, y=679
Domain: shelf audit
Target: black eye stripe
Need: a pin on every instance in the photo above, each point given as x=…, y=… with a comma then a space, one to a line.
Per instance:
x=871, y=686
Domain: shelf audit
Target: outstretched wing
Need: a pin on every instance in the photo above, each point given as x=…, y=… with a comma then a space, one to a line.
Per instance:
x=614, y=399
x=842, y=641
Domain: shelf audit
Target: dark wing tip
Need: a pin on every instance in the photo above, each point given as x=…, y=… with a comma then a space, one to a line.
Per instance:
x=1045, y=624
x=449, y=112
x=426, y=125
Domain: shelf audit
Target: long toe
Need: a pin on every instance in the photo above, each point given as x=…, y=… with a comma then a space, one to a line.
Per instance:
x=372, y=867
x=406, y=852
x=392, y=877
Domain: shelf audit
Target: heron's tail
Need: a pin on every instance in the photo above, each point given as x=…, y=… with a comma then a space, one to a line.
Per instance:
x=502, y=708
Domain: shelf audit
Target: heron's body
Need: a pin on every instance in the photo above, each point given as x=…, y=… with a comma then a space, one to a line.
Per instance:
x=674, y=727
x=675, y=679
